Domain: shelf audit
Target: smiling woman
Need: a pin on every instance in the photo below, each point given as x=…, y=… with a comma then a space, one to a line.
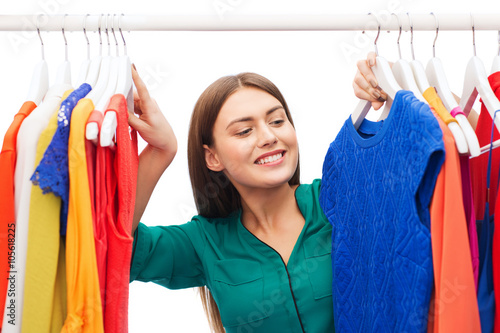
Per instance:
x=257, y=229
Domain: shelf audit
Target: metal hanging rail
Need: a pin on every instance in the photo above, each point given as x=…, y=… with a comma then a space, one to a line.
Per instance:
x=235, y=22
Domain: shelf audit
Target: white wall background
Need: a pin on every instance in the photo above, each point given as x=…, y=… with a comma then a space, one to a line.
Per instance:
x=311, y=69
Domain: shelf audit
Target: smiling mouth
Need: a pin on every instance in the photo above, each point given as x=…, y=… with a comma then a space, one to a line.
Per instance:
x=270, y=159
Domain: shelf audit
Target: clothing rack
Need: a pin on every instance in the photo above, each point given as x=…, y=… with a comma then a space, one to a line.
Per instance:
x=233, y=22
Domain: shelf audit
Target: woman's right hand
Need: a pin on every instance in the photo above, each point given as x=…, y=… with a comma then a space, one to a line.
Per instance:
x=365, y=84
x=151, y=123
x=160, y=151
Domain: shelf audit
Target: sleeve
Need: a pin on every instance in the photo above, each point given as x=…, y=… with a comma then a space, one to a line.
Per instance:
x=168, y=255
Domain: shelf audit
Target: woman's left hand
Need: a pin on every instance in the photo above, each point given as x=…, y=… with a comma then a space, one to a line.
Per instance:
x=365, y=84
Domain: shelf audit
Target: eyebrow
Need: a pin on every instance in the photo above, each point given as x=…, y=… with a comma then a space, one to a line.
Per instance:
x=243, y=119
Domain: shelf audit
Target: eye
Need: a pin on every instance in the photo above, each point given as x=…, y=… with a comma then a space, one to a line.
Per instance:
x=277, y=122
x=244, y=132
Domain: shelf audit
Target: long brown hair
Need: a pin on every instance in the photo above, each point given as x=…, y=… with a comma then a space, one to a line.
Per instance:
x=214, y=194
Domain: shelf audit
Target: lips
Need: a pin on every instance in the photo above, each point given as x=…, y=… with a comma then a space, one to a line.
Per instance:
x=270, y=157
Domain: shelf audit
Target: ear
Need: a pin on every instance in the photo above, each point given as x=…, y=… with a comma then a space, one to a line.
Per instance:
x=212, y=160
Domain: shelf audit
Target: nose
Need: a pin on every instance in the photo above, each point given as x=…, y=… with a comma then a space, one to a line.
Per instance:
x=266, y=137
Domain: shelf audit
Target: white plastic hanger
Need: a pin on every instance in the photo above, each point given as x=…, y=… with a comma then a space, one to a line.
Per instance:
x=64, y=70
x=476, y=81
x=386, y=81
x=95, y=63
x=495, y=67
x=92, y=130
x=109, y=123
x=40, y=78
x=423, y=85
x=110, y=89
x=124, y=86
x=416, y=66
x=125, y=83
x=437, y=79
x=404, y=74
x=84, y=67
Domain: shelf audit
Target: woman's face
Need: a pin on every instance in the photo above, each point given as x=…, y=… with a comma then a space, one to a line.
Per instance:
x=254, y=142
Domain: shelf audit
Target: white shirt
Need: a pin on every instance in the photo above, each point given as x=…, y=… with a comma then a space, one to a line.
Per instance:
x=27, y=141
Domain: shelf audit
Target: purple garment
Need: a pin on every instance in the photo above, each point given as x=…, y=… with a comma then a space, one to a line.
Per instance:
x=470, y=215
x=52, y=174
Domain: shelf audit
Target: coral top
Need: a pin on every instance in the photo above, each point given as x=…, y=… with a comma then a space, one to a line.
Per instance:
x=454, y=305
x=7, y=217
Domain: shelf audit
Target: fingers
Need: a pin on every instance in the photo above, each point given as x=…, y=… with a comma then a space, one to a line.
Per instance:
x=377, y=105
x=363, y=89
x=363, y=94
x=371, y=58
x=142, y=91
x=137, y=104
x=367, y=73
x=135, y=122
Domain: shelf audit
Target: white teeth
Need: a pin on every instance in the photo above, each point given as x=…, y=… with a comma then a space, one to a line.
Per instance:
x=270, y=159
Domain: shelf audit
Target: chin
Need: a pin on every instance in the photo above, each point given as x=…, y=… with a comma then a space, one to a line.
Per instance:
x=277, y=181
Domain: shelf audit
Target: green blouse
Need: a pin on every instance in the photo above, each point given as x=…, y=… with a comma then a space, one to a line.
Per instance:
x=254, y=290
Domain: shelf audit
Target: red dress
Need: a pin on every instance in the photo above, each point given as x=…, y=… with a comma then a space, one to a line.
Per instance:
x=120, y=217
x=485, y=129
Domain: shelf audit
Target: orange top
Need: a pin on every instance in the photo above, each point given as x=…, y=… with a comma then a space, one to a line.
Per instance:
x=7, y=215
x=84, y=297
x=454, y=305
x=434, y=101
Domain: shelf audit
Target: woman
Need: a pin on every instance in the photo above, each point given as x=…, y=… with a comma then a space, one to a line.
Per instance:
x=260, y=247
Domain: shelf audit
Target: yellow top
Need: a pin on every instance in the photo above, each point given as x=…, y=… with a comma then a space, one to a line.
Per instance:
x=435, y=102
x=84, y=296
x=44, y=308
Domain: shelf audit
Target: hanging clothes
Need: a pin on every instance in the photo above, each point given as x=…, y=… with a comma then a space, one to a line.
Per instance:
x=454, y=305
x=100, y=203
x=52, y=172
x=479, y=164
x=376, y=189
x=84, y=297
x=119, y=231
x=431, y=95
x=45, y=283
x=470, y=215
x=494, y=80
x=485, y=293
x=7, y=205
x=27, y=139
x=484, y=173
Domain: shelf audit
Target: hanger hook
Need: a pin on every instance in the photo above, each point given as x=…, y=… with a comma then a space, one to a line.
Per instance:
x=85, y=33
x=107, y=34
x=100, y=36
x=113, y=31
x=473, y=34
x=399, y=36
x=64, y=35
x=411, y=39
x=435, y=38
x=39, y=35
x=378, y=33
x=121, y=33
x=499, y=42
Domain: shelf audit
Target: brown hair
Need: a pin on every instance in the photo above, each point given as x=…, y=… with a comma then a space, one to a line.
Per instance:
x=214, y=194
